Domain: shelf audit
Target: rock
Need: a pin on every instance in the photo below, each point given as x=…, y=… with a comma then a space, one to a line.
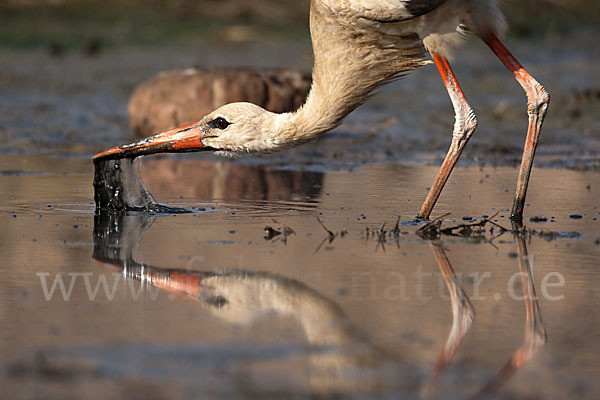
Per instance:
x=178, y=97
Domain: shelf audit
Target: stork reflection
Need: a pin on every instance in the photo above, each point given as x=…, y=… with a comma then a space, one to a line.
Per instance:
x=342, y=358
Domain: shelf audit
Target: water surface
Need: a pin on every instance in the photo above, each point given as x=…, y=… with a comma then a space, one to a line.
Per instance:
x=202, y=305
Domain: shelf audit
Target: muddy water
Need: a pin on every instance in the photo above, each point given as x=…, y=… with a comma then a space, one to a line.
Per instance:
x=202, y=305
x=119, y=189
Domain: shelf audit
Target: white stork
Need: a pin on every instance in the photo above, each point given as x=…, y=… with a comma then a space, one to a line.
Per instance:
x=358, y=46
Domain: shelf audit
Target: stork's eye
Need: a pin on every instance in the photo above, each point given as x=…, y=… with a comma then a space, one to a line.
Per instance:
x=217, y=301
x=219, y=123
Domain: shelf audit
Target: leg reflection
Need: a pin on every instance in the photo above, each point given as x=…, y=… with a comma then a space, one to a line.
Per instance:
x=463, y=314
x=535, y=332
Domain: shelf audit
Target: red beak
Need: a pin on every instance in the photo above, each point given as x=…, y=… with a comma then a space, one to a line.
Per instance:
x=185, y=138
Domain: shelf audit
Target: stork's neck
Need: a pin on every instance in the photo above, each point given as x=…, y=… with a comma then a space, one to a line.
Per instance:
x=333, y=95
x=350, y=62
x=321, y=112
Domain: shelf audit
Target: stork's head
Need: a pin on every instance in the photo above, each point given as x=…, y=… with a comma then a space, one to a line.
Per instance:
x=231, y=129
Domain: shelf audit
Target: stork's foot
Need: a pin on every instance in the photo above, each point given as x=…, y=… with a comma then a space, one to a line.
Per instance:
x=515, y=215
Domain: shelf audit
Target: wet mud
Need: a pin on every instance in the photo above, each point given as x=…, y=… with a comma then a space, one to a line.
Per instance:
x=118, y=189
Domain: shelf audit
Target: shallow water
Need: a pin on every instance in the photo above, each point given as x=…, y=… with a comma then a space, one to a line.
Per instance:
x=202, y=305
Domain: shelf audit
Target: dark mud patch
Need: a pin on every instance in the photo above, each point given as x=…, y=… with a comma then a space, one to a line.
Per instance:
x=488, y=230
x=538, y=219
x=281, y=233
x=485, y=229
x=118, y=189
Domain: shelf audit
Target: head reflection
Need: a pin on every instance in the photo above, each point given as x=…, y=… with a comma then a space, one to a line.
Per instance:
x=341, y=358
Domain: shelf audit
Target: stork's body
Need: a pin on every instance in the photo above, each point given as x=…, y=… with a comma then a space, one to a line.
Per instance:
x=358, y=46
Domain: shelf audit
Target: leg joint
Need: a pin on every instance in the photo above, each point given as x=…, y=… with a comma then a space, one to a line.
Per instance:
x=465, y=124
x=538, y=100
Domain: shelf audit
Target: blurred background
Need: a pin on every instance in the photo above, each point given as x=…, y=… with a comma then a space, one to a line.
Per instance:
x=68, y=68
x=72, y=24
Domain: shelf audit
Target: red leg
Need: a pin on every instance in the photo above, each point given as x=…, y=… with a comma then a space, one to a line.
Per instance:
x=464, y=126
x=537, y=105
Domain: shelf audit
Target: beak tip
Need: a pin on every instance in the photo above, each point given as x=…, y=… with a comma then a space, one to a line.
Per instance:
x=105, y=153
x=175, y=140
